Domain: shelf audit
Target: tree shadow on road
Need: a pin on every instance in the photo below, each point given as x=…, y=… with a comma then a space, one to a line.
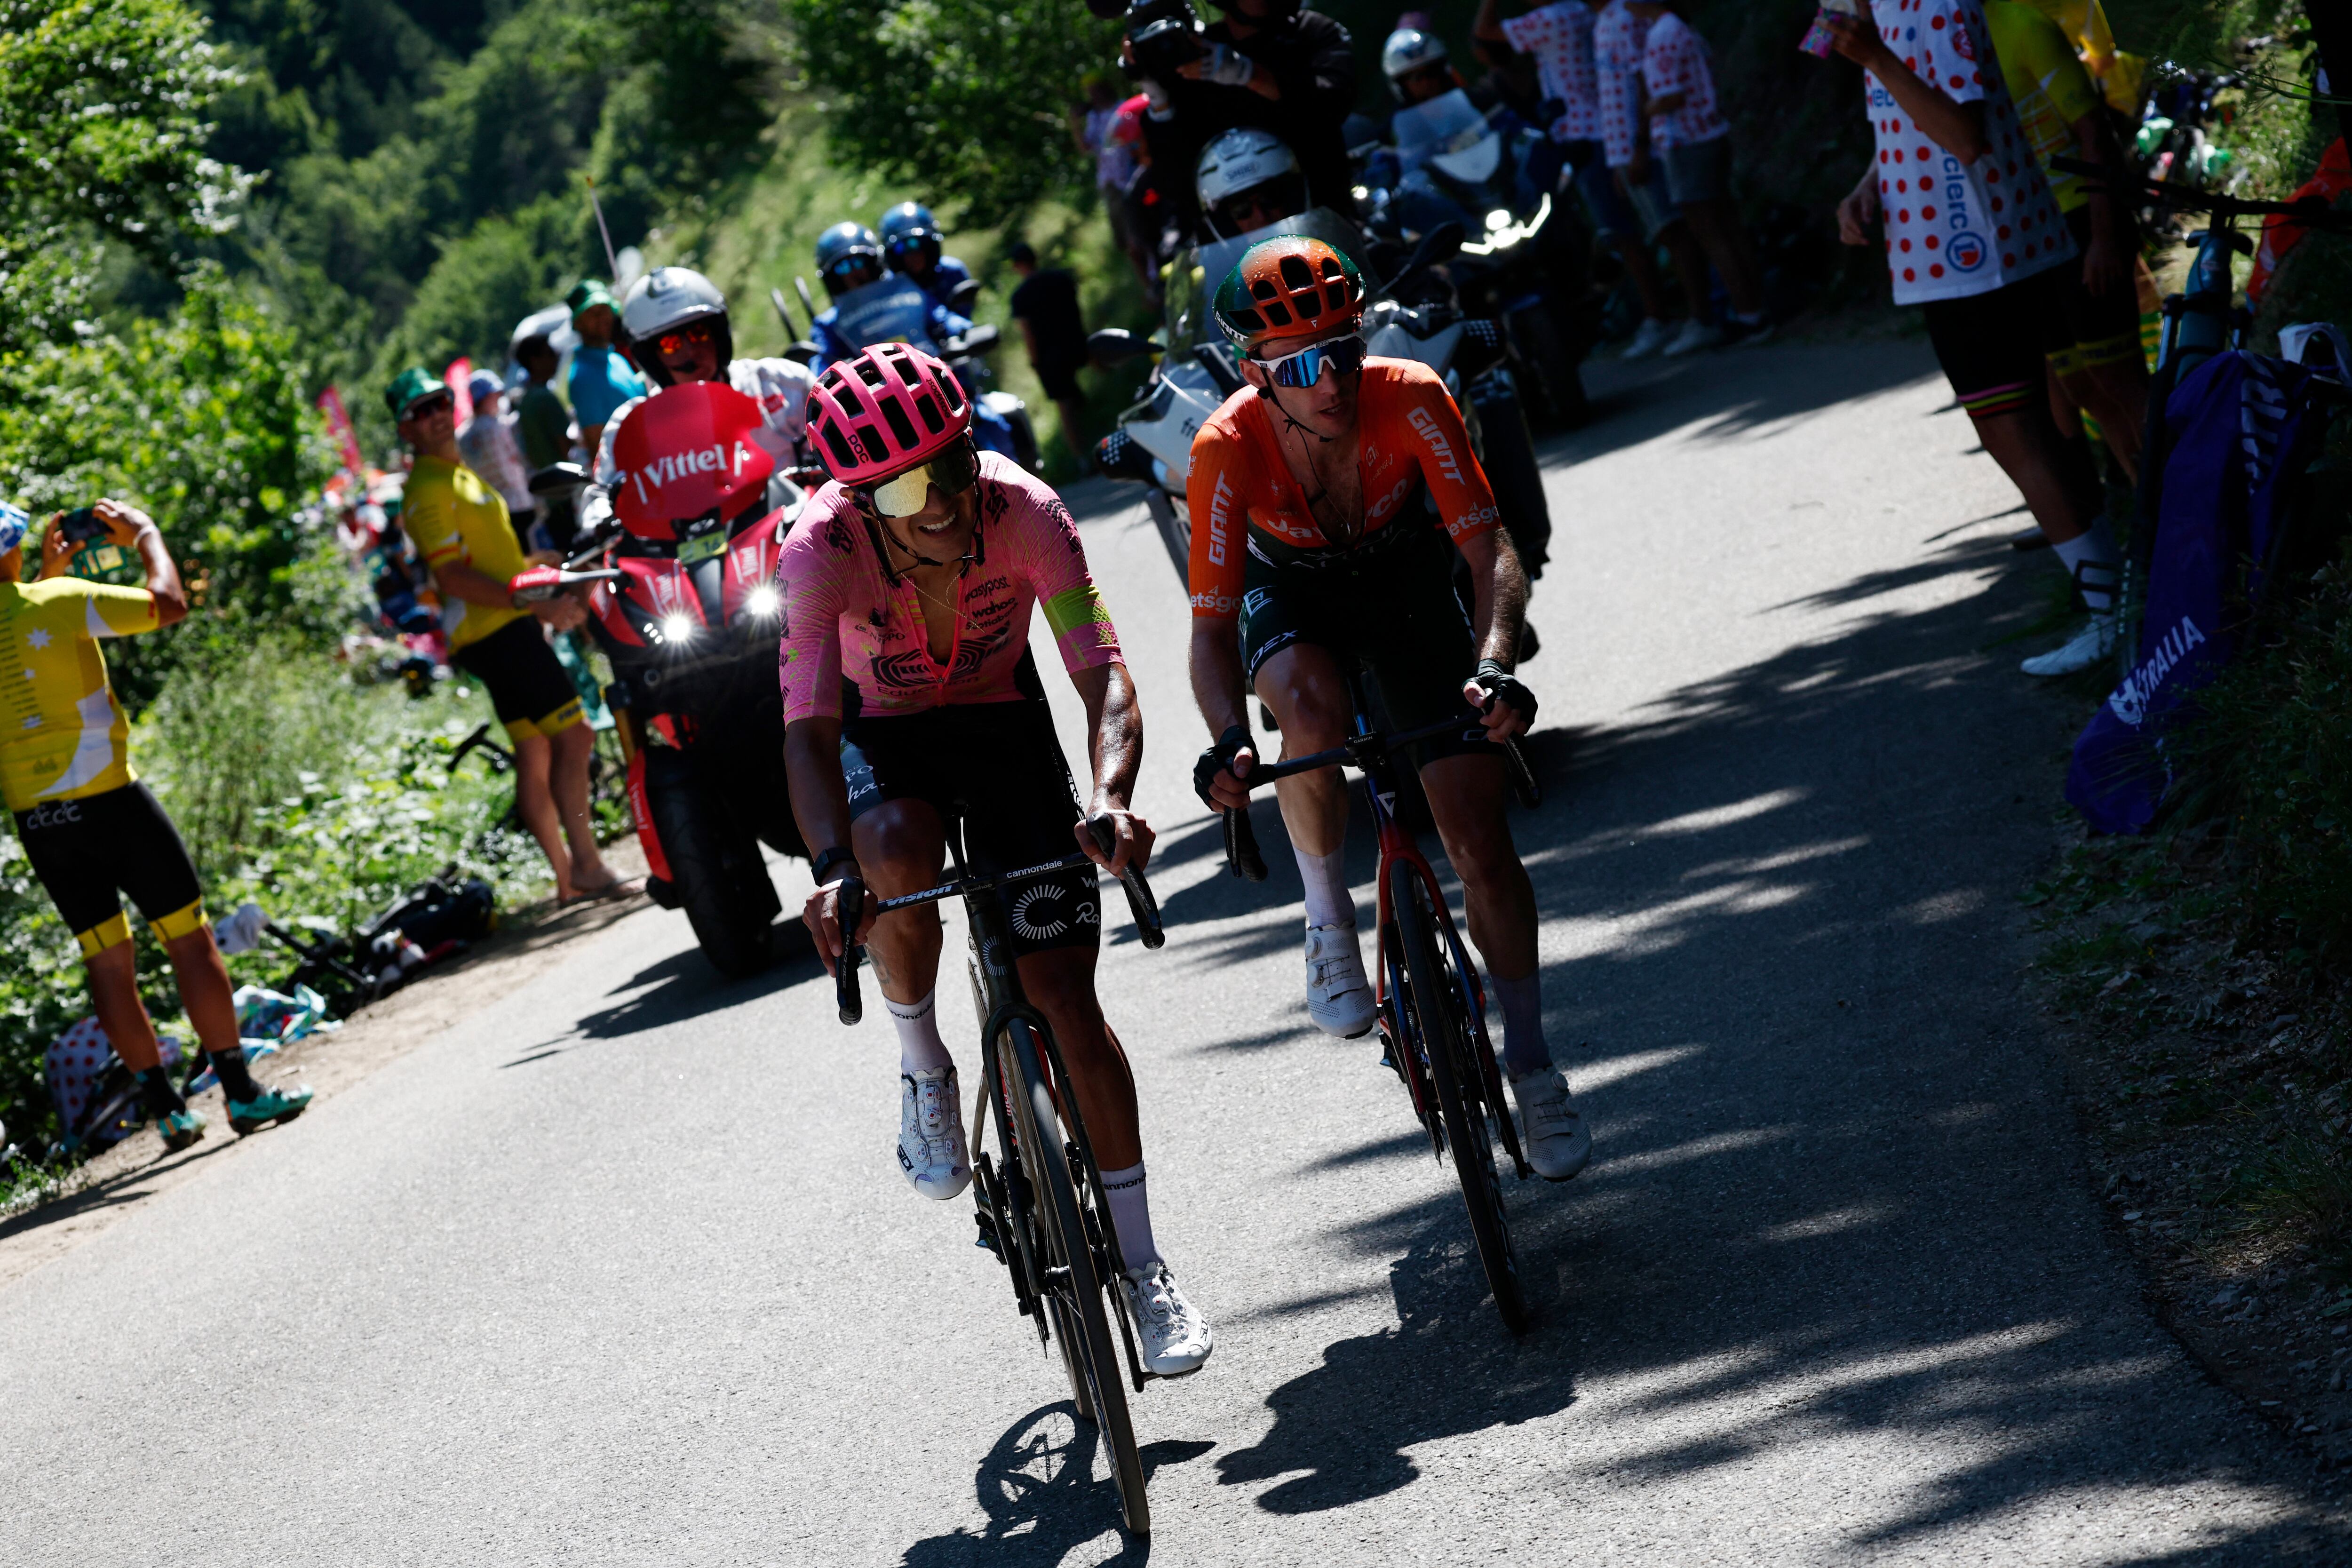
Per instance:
x=1044, y=1500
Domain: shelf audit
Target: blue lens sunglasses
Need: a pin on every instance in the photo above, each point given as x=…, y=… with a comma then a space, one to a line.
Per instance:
x=1345, y=356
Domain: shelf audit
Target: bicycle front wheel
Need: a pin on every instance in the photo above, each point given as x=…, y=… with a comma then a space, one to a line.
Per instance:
x=1073, y=1286
x=1441, y=1005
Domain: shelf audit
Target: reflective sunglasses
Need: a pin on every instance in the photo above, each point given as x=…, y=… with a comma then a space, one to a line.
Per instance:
x=955, y=470
x=432, y=403
x=848, y=264
x=679, y=342
x=1344, y=357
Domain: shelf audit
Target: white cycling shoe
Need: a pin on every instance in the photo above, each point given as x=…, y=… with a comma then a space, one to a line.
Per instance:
x=1648, y=339
x=931, y=1149
x=2095, y=643
x=1176, y=1338
x=1338, y=996
x=1558, y=1142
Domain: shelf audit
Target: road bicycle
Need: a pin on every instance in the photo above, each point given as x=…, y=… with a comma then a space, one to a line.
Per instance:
x=1042, y=1211
x=1431, y=1004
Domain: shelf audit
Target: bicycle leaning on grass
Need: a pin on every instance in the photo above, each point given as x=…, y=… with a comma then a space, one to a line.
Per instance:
x=1043, y=1212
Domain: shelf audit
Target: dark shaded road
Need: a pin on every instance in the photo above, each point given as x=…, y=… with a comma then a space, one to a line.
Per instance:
x=621, y=1272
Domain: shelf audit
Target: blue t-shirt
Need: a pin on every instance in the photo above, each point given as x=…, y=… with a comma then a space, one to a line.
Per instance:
x=601, y=380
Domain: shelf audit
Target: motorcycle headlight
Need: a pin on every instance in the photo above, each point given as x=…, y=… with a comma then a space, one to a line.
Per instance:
x=676, y=627
x=1498, y=221
x=761, y=602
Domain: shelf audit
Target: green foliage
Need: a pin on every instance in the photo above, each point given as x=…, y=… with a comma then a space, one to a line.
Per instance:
x=101, y=132
x=963, y=98
x=203, y=421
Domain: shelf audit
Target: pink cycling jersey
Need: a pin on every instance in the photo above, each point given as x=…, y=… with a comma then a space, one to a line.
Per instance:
x=843, y=617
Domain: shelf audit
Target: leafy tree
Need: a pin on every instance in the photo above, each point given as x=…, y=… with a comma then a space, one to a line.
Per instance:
x=964, y=98
x=102, y=131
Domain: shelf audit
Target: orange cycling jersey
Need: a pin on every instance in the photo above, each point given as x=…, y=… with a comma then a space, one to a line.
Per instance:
x=1410, y=431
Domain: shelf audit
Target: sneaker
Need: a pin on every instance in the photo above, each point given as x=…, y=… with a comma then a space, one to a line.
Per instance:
x=931, y=1134
x=1176, y=1338
x=1558, y=1142
x=1739, y=334
x=1338, y=996
x=274, y=1104
x=2091, y=646
x=1647, y=340
x=1695, y=335
x=179, y=1129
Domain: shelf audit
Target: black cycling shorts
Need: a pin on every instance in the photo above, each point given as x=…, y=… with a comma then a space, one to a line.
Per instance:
x=1003, y=761
x=2105, y=326
x=1995, y=347
x=528, y=688
x=1389, y=604
x=91, y=852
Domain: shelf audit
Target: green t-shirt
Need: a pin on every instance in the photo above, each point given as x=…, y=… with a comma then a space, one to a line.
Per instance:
x=2048, y=84
x=545, y=426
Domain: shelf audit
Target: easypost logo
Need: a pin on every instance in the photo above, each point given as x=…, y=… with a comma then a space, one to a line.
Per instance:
x=663, y=471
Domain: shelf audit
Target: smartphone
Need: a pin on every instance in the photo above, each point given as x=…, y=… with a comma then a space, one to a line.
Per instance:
x=81, y=525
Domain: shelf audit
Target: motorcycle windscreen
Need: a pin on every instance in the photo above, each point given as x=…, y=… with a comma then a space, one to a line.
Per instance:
x=685, y=452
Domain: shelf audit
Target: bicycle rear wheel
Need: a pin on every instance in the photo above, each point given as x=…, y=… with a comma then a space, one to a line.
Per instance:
x=1441, y=1007
x=1073, y=1285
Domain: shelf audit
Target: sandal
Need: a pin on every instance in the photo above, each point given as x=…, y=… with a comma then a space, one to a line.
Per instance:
x=618, y=888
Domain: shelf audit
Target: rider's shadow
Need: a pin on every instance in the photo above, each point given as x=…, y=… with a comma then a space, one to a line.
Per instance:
x=1043, y=1498
x=1341, y=1430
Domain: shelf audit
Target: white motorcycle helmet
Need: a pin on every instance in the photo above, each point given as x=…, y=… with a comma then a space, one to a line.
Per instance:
x=1408, y=49
x=664, y=300
x=1246, y=180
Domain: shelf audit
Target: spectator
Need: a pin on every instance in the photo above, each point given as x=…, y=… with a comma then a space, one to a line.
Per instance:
x=1618, y=37
x=1095, y=126
x=1974, y=237
x=542, y=424
x=2063, y=115
x=459, y=525
x=601, y=377
x=92, y=831
x=1560, y=38
x=1694, y=144
x=489, y=446
x=1045, y=304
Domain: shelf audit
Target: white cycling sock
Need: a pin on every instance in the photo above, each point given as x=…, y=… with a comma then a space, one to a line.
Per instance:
x=921, y=1049
x=1523, y=1050
x=2091, y=559
x=1329, y=901
x=1130, y=1215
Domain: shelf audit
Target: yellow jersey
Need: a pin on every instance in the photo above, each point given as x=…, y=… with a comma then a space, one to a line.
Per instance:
x=454, y=517
x=62, y=733
x=2048, y=86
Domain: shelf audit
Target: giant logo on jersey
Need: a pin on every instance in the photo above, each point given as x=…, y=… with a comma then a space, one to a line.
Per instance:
x=685, y=452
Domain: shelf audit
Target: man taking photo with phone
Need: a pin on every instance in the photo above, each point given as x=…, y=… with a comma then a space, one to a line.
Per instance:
x=92, y=832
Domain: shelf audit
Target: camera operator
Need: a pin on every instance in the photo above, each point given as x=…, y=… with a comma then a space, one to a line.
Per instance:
x=1266, y=65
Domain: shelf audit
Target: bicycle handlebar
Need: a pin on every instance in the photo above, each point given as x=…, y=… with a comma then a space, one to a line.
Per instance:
x=2311, y=211
x=1242, y=858
x=1140, y=903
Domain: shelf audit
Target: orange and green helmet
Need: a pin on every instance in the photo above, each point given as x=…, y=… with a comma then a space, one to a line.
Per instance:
x=1294, y=287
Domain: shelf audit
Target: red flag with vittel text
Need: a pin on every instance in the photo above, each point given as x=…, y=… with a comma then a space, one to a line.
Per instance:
x=460, y=379
x=339, y=425
x=687, y=451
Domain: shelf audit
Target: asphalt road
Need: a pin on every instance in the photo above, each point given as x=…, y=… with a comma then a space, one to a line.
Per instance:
x=621, y=1269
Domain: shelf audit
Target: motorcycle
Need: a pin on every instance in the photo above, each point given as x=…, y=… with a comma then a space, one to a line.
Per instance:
x=1484, y=173
x=690, y=621
x=1198, y=370
x=894, y=310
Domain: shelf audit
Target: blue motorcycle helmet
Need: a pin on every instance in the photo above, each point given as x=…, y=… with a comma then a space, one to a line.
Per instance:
x=909, y=230
x=847, y=257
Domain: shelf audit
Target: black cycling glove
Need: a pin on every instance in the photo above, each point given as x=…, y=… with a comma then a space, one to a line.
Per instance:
x=1216, y=760
x=1501, y=686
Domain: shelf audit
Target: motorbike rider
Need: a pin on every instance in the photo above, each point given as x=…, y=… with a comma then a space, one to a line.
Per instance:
x=1311, y=546
x=1246, y=180
x=1417, y=65
x=1267, y=63
x=674, y=321
x=910, y=241
x=849, y=259
x=943, y=703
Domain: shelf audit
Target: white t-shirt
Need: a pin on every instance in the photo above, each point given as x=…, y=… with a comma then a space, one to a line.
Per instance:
x=1956, y=230
x=1676, y=59
x=1559, y=36
x=1618, y=37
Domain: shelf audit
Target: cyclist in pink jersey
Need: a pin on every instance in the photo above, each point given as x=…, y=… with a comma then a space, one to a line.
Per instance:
x=909, y=690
